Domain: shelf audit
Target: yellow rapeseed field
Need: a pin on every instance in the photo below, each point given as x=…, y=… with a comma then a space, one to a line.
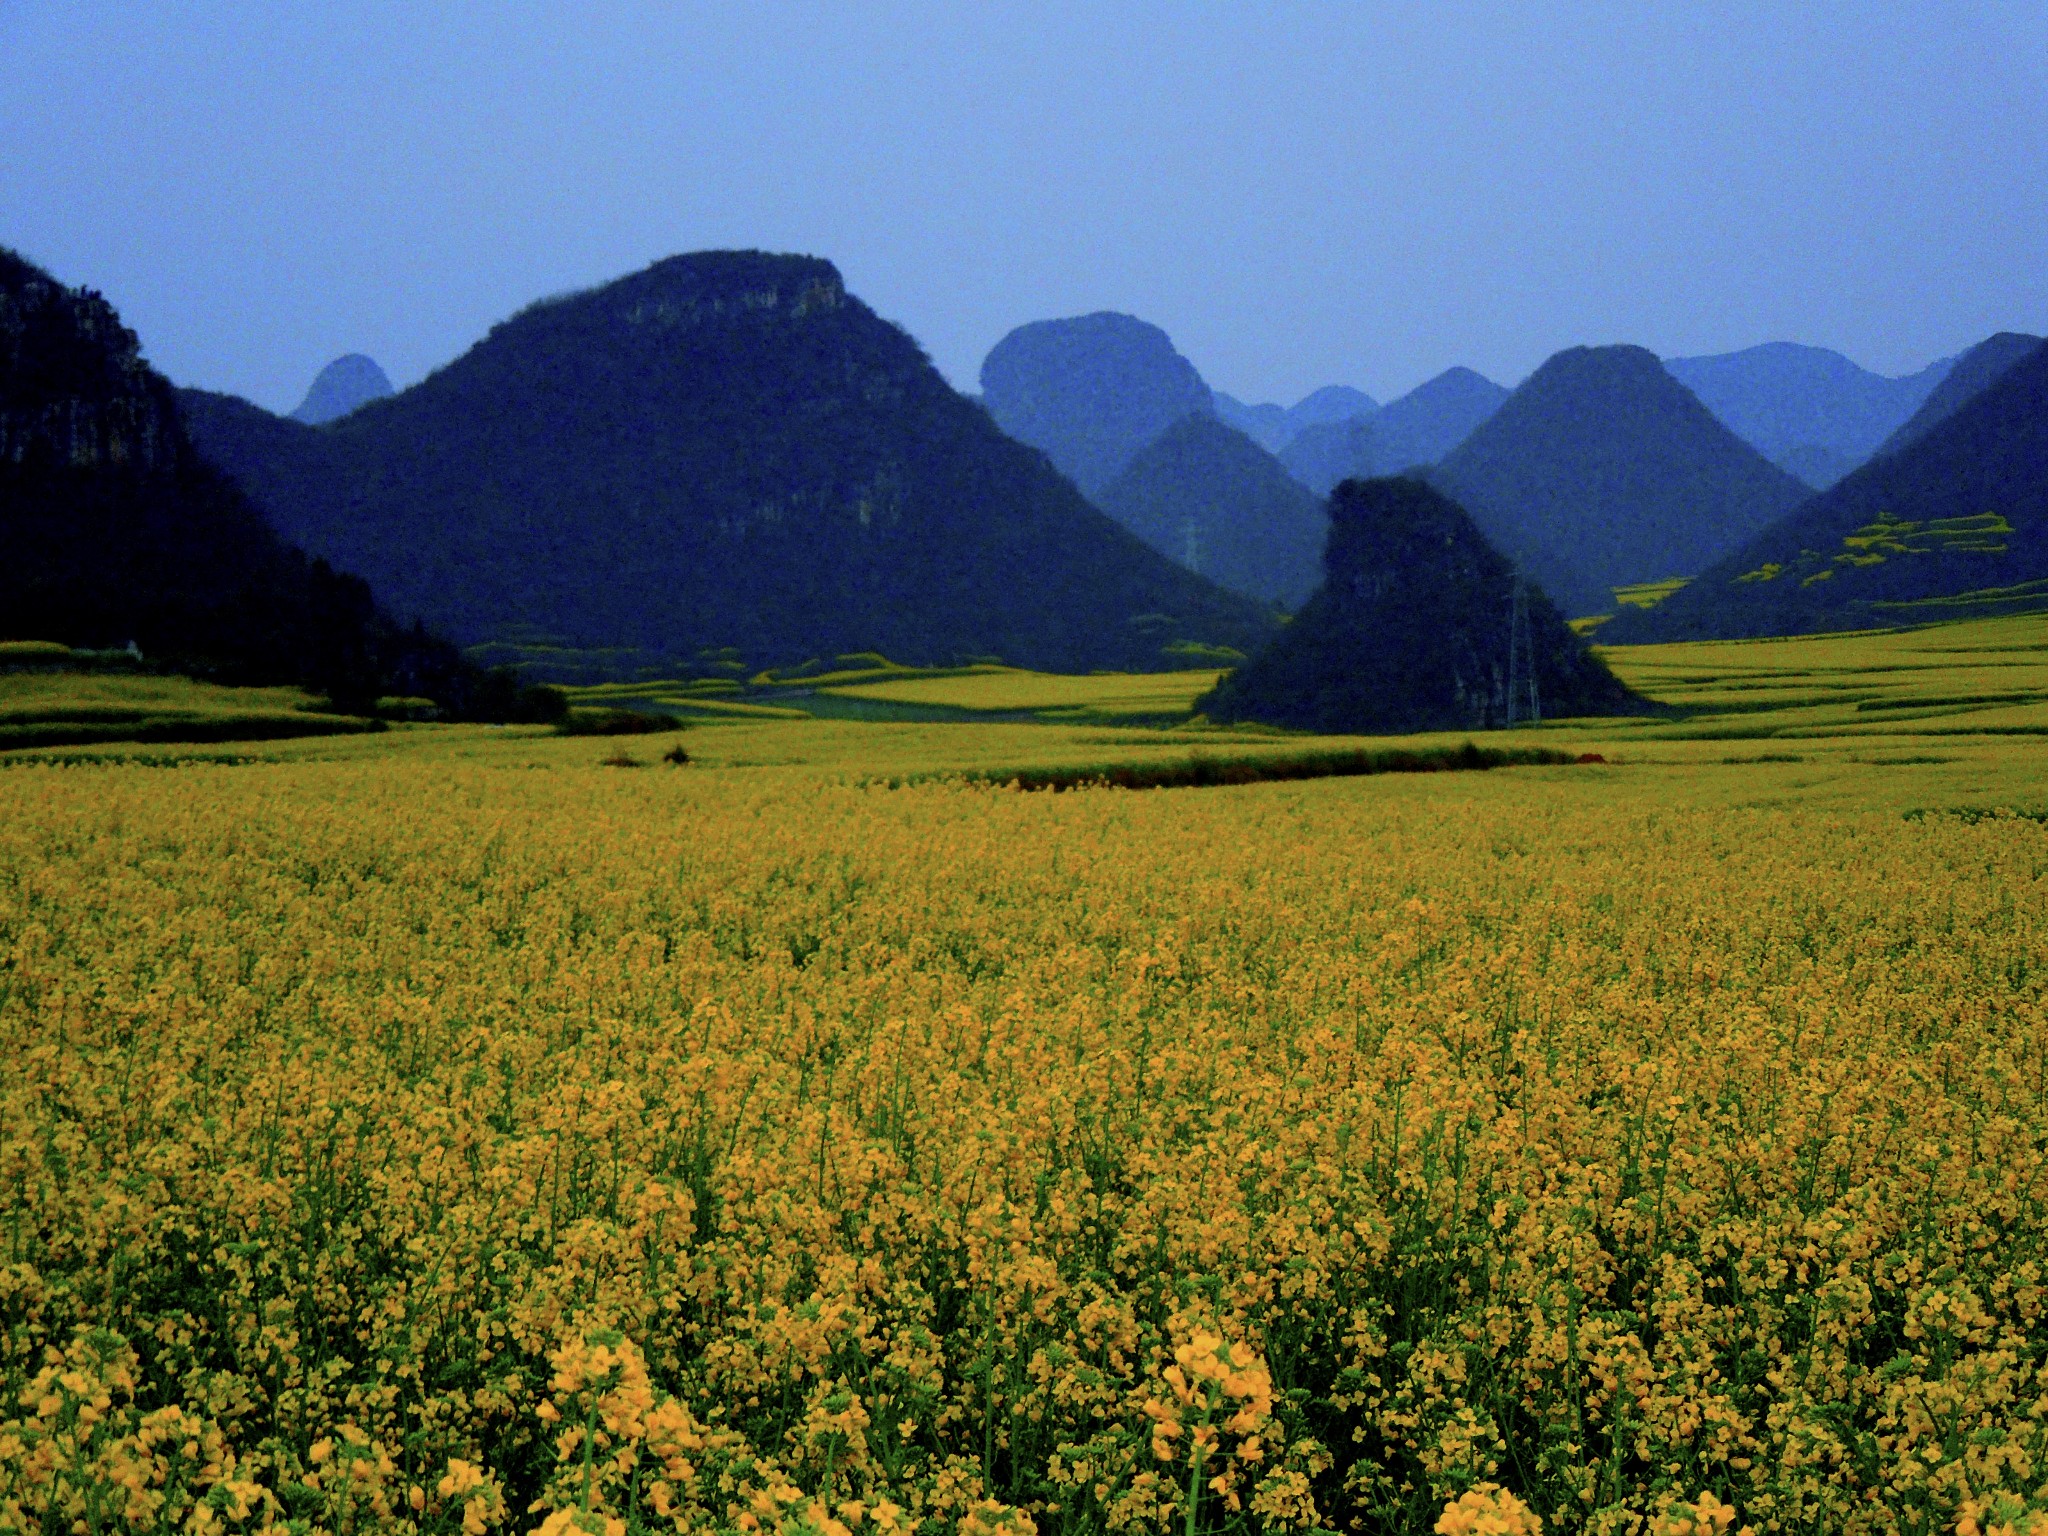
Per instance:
x=499, y=1141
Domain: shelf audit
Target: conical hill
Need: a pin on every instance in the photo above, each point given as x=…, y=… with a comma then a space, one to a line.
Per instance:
x=1602, y=470
x=1208, y=496
x=1419, y=625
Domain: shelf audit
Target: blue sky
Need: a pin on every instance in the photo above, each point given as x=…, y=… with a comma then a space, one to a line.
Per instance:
x=1301, y=193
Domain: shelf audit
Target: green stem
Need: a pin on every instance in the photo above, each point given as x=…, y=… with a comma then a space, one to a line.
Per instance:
x=589, y=1448
x=1195, y=1462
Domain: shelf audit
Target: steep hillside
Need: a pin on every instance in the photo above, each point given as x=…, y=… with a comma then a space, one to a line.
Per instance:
x=725, y=450
x=1419, y=625
x=1954, y=524
x=1603, y=471
x=1090, y=391
x=1208, y=496
x=112, y=530
x=1433, y=418
x=1973, y=373
x=342, y=386
x=1808, y=410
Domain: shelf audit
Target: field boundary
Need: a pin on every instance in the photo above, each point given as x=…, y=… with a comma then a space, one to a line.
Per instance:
x=1200, y=771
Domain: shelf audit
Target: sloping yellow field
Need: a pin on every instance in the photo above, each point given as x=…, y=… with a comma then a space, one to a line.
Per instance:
x=1987, y=674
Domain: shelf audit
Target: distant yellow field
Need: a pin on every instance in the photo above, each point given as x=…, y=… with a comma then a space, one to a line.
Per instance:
x=1052, y=695
x=1979, y=675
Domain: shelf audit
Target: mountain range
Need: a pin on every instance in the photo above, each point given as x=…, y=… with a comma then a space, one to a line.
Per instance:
x=1208, y=496
x=1419, y=624
x=1810, y=411
x=1273, y=427
x=1952, y=523
x=725, y=451
x=1602, y=470
x=1417, y=429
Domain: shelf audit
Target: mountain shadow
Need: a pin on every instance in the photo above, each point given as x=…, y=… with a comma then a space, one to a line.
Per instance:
x=1973, y=373
x=1810, y=411
x=725, y=450
x=342, y=386
x=1208, y=496
x=1953, y=525
x=1090, y=391
x=1602, y=471
x=1419, y=625
x=114, y=532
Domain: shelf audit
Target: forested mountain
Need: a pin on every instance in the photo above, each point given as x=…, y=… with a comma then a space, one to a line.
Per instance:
x=1972, y=373
x=1417, y=429
x=1602, y=470
x=1810, y=411
x=343, y=385
x=1953, y=524
x=1208, y=496
x=725, y=450
x=113, y=530
x=1419, y=625
x=1090, y=391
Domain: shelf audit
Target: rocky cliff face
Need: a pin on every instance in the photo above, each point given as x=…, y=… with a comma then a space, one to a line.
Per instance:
x=1419, y=625
x=74, y=390
x=1090, y=391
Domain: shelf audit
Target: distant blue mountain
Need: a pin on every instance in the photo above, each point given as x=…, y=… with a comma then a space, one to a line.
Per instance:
x=1090, y=391
x=342, y=386
x=1602, y=470
x=1265, y=425
x=1433, y=418
x=1273, y=427
x=1953, y=523
x=1810, y=411
x=1207, y=496
x=1419, y=428
x=1331, y=403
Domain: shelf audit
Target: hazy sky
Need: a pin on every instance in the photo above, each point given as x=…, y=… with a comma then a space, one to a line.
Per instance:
x=1300, y=193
